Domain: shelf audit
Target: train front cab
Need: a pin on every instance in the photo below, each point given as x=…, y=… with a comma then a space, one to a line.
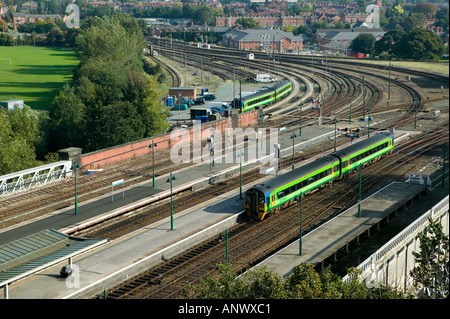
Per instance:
x=255, y=205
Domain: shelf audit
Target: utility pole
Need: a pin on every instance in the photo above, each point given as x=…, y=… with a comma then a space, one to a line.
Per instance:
x=364, y=96
x=75, y=178
x=389, y=83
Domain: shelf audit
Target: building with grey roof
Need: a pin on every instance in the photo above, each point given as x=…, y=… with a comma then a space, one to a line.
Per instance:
x=266, y=40
x=343, y=37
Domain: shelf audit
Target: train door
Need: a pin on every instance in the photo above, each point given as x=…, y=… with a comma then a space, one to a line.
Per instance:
x=254, y=203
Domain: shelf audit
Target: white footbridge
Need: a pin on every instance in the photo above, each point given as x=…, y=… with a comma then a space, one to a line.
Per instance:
x=28, y=178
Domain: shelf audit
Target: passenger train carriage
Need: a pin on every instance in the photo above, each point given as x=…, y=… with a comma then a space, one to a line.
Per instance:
x=266, y=96
x=283, y=190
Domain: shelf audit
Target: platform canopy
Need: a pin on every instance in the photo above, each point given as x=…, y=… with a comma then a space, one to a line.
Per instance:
x=28, y=255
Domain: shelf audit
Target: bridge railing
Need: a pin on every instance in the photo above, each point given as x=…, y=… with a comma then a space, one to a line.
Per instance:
x=370, y=265
x=40, y=175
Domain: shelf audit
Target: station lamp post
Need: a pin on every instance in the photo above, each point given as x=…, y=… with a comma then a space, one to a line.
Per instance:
x=415, y=113
x=75, y=178
x=351, y=98
x=262, y=126
x=335, y=122
x=241, y=155
x=152, y=146
x=301, y=225
x=300, y=127
x=359, y=201
x=226, y=246
x=293, y=136
x=368, y=121
x=170, y=179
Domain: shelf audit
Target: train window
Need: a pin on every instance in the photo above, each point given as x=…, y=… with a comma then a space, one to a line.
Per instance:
x=261, y=200
x=280, y=194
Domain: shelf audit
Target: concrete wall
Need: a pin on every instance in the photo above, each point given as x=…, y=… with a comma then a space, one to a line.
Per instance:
x=391, y=264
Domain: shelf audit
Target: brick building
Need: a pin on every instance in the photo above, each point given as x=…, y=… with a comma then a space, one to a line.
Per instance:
x=263, y=40
x=21, y=18
x=264, y=21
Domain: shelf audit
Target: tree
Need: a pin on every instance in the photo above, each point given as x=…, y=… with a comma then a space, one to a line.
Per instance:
x=398, y=9
x=386, y=43
x=248, y=23
x=421, y=45
x=204, y=14
x=111, y=101
x=67, y=125
x=18, y=135
x=114, y=124
x=288, y=28
x=364, y=43
x=304, y=283
x=427, y=9
x=442, y=18
x=3, y=25
x=432, y=270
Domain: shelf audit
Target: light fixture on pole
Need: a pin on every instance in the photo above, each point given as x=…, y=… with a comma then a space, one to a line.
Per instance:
x=293, y=136
x=152, y=146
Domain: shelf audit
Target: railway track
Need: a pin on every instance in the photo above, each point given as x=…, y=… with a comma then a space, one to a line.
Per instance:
x=21, y=204
x=341, y=88
x=336, y=102
x=249, y=242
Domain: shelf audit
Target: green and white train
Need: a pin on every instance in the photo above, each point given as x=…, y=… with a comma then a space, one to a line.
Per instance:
x=283, y=190
x=267, y=96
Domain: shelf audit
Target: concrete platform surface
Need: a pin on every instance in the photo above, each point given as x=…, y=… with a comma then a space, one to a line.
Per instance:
x=328, y=238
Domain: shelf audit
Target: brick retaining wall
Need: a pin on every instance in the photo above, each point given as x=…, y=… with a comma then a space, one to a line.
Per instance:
x=105, y=157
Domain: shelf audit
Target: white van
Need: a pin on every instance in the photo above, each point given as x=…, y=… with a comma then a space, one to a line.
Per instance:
x=265, y=78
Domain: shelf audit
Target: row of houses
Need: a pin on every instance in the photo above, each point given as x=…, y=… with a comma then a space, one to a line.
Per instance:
x=21, y=18
x=279, y=22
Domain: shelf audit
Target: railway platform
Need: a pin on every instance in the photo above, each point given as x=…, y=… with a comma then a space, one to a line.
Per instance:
x=116, y=257
x=68, y=220
x=115, y=261
x=326, y=240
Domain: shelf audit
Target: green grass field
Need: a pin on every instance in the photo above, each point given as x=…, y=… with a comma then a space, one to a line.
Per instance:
x=35, y=74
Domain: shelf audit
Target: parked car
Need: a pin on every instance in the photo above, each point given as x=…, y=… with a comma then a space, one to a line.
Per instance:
x=209, y=97
x=179, y=107
x=189, y=102
x=220, y=110
x=199, y=100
